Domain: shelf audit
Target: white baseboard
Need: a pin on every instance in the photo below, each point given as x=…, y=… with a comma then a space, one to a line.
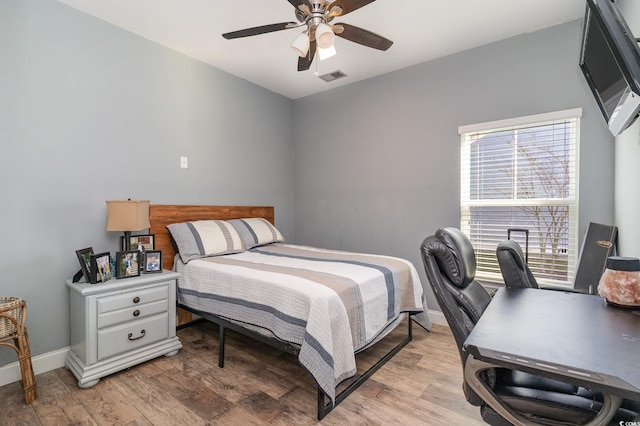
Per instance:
x=50, y=361
x=41, y=364
x=437, y=317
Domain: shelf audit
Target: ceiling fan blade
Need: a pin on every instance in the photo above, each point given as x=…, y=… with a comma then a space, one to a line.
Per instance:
x=296, y=3
x=363, y=37
x=304, y=63
x=263, y=29
x=348, y=6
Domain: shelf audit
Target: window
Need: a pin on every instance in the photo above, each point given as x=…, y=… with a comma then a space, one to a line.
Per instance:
x=522, y=173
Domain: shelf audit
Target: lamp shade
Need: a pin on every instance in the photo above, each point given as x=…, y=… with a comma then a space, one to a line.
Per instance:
x=127, y=215
x=301, y=45
x=326, y=53
x=324, y=36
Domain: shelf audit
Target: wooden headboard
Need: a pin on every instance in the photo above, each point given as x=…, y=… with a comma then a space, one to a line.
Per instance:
x=161, y=215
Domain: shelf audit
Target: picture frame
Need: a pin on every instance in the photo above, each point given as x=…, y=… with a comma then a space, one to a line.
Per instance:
x=84, y=258
x=128, y=263
x=100, y=268
x=152, y=261
x=139, y=242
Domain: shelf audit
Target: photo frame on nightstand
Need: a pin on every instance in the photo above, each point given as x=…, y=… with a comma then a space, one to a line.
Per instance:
x=84, y=258
x=138, y=242
x=152, y=261
x=128, y=263
x=100, y=268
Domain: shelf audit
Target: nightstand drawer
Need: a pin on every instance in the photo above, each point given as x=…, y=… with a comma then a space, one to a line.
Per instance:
x=132, y=298
x=133, y=335
x=132, y=313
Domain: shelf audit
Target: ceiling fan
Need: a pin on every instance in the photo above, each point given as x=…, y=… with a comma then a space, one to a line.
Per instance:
x=319, y=34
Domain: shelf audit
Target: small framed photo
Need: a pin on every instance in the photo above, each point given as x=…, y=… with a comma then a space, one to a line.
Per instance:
x=100, y=268
x=128, y=263
x=141, y=243
x=153, y=261
x=84, y=257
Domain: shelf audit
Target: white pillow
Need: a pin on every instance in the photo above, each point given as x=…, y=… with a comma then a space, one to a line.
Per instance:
x=205, y=238
x=256, y=231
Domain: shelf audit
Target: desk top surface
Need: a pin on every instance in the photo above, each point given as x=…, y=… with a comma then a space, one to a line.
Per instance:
x=567, y=334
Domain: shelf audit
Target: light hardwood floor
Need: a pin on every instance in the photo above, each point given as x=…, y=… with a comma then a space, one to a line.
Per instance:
x=421, y=385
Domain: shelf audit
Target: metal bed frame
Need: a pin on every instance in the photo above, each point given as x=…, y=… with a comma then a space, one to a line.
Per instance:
x=324, y=407
x=162, y=215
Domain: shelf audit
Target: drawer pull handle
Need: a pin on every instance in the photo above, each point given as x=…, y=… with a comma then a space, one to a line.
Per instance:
x=136, y=313
x=142, y=333
x=136, y=299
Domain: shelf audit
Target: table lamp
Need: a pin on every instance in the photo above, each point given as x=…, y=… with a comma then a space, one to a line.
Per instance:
x=127, y=216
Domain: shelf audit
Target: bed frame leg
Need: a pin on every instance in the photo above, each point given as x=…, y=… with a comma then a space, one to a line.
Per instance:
x=221, y=350
x=324, y=409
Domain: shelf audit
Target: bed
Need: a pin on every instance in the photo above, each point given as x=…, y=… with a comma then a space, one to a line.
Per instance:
x=324, y=306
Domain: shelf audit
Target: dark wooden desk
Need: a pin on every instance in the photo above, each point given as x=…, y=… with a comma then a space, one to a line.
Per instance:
x=573, y=337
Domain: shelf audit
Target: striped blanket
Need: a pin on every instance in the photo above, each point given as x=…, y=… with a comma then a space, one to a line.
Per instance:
x=332, y=304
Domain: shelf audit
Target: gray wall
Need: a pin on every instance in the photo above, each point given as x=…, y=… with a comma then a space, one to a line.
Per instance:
x=377, y=162
x=89, y=113
x=627, y=158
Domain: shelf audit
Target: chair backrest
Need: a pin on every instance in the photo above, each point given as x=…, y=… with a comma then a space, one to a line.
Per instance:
x=450, y=264
x=514, y=268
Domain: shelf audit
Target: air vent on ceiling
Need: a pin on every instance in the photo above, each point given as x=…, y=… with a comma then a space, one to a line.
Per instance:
x=332, y=76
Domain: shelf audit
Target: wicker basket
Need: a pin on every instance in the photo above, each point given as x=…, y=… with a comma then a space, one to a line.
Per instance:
x=12, y=307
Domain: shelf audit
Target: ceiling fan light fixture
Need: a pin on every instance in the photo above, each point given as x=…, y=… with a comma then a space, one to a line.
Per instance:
x=326, y=53
x=324, y=36
x=301, y=45
x=314, y=17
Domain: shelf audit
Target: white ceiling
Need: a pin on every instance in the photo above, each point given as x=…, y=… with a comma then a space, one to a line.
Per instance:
x=420, y=29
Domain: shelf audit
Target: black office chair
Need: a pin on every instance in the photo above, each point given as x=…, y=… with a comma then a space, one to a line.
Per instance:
x=450, y=265
x=599, y=242
x=514, y=268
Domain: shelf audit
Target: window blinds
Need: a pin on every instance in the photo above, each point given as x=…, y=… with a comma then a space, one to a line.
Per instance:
x=522, y=173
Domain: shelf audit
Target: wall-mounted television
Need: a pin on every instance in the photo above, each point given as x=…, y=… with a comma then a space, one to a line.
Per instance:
x=610, y=61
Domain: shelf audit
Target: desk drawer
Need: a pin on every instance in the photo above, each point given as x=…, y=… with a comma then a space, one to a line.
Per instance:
x=132, y=313
x=132, y=298
x=133, y=335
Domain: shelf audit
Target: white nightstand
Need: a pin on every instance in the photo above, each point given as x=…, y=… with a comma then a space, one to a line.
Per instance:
x=121, y=323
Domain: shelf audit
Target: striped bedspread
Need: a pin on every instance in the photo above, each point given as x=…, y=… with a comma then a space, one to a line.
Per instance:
x=330, y=303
